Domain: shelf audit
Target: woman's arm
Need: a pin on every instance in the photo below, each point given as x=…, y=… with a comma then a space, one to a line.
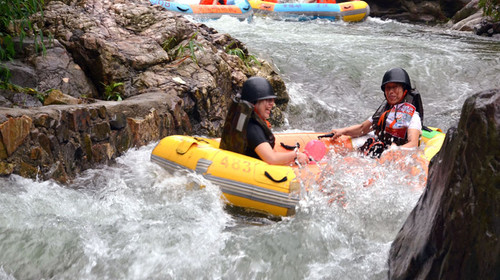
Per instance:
x=267, y=154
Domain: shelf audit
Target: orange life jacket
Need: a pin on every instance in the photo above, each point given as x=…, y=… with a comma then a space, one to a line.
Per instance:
x=210, y=2
x=393, y=123
x=387, y=134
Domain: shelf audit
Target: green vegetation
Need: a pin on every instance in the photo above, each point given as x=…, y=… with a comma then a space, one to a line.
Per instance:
x=176, y=50
x=39, y=95
x=170, y=44
x=15, y=22
x=235, y=50
x=110, y=91
x=491, y=8
x=31, y=91
x=4, y=75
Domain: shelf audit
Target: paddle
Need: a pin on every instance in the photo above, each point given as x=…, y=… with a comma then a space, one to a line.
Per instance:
x=315, y=150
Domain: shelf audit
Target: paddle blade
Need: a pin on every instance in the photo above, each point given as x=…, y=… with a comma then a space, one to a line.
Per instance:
x=316, y=149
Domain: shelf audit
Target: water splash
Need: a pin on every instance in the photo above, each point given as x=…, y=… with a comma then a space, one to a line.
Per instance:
x=134, y=220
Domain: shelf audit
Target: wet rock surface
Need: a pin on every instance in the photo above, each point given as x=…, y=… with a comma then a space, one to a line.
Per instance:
x=453, y=231
x=463, y=15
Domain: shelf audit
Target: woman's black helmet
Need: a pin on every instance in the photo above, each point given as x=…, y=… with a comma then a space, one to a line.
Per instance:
x=396, y=75
x=255, y=89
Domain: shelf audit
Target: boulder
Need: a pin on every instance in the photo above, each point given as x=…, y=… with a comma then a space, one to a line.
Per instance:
x=57, y=97
x=453, y=232
x=413, y=10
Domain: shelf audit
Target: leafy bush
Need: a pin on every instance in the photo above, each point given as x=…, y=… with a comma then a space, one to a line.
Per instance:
x=491, y=8
x=15, y=22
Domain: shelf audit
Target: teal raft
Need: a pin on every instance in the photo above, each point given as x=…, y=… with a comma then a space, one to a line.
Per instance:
x=240, y=9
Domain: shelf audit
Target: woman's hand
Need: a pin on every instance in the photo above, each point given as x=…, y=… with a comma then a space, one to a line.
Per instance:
x=302, y=158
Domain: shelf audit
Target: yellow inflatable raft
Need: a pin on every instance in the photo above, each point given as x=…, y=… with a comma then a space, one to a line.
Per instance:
x=248, y=182
x=244, y=181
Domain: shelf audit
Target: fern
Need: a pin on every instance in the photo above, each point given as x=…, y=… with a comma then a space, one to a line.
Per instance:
x=110, y=93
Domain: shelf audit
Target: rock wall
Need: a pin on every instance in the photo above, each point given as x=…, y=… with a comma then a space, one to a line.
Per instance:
x=423, y=11
x=59, y=141
x=175, y=76
x=462, y=15
x=453, y=232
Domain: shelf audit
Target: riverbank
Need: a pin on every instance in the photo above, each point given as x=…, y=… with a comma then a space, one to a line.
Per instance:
x=174, y=76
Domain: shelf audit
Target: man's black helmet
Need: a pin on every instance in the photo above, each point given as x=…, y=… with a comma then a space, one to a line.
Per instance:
x=255, y=89
x=396, y=75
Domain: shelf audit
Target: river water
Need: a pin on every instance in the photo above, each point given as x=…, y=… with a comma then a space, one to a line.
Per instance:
x=133, y=220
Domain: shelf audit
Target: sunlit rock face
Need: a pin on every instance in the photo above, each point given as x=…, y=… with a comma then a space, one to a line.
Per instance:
x=172, y=76
x=453, y=231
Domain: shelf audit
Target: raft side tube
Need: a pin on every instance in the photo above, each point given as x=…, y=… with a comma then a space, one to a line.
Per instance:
x=242, y=179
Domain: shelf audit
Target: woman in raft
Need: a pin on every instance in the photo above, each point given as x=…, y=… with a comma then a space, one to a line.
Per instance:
x=247, y=131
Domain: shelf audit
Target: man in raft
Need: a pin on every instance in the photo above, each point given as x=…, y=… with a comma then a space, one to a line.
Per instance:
x=247, y=131
x=398, y=121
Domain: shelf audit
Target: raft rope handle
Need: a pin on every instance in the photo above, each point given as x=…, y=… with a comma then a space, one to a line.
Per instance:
x=326, y=135
x=296, y=150
x=290, y=148
x=426, y=128
x=201, y=140
x=284, y=179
